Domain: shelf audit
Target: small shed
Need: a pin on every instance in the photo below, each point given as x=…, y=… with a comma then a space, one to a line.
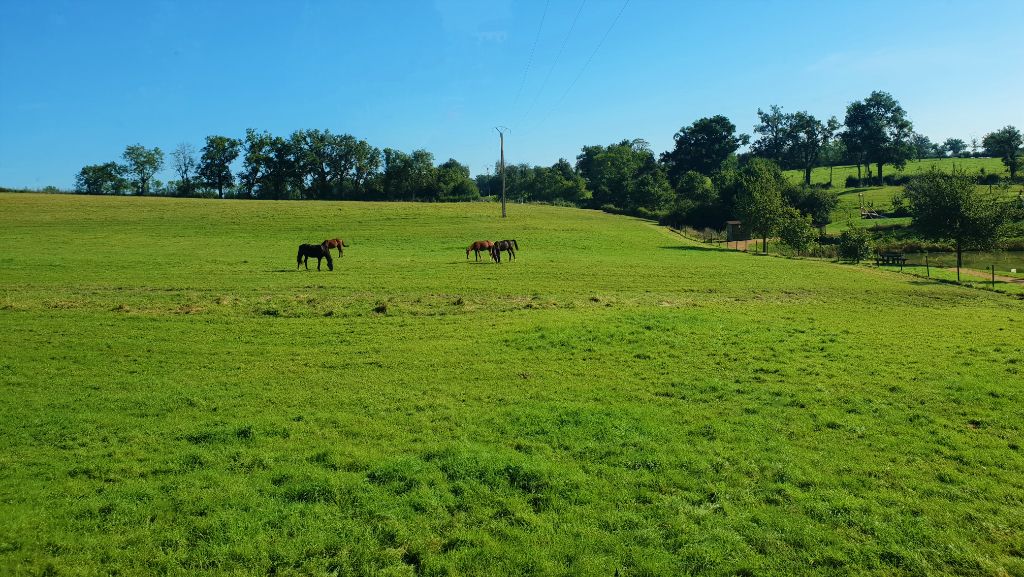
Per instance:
x=733, y=230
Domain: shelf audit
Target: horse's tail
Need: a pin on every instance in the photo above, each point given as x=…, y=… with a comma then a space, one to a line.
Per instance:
x=343, y=243
x=298, y=257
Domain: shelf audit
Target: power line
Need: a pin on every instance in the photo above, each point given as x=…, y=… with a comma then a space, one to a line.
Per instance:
x=561, y=49
x=529, y=60
x=587, y=63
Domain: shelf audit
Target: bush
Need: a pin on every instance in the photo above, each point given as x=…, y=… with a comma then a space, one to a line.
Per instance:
x=797, y=230
x=989, y=178
x=852, y=181
x=854, y=244
x=899, y=206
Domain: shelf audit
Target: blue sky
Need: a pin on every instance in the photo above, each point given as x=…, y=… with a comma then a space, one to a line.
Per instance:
x=81, y=80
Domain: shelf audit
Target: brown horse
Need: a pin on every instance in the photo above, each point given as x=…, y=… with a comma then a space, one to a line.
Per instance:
x=317, y=251
x=334, y=243
x=478, y=247
x=504, y=245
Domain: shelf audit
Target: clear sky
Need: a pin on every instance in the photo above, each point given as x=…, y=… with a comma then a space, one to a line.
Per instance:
x=81, y=80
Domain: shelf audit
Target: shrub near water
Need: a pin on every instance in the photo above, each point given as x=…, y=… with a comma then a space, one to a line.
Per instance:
x=616, y=399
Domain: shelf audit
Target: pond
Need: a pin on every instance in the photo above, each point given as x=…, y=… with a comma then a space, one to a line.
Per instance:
x=1005, y=261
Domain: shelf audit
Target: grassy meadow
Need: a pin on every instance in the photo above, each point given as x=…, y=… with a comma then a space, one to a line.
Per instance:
x=179, y=400
x=819, y=175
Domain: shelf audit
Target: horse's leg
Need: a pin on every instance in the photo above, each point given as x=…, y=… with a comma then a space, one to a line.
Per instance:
x=305, y=260
x=318, y=262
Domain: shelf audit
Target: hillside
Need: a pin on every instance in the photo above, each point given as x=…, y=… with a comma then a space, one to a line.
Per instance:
x=839, y=173
x=178, y=399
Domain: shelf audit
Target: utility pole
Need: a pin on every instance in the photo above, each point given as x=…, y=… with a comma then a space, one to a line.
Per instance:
x=501, y=134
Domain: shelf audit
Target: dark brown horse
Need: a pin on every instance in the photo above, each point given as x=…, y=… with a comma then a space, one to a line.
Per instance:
x=504, y=245
x=478, y=247
x=335, y=243
x=317, y=251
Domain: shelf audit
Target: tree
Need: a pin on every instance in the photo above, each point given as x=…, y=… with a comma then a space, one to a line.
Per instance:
x=797, y=230
x=141, y=164
x=807, y=137
x=878, y=127
x=832, y=154
x=775, y=128
x=697, y=203
x=759, y=198
x=101, y=179
x=268, y=167
x=1005, y=144
x=703, y=146
x=215, y=163
x=950, y=207
x=812, y=201
x=625, y=175
x=854, y=244
x=923, y=146
x=454, y=183
x=955, y=146
x=185, y=165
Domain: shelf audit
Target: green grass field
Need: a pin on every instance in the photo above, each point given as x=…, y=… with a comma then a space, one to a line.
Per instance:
x=179, y=400
x=839, y=173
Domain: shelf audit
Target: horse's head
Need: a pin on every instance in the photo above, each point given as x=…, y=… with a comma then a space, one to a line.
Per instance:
x=330, y=264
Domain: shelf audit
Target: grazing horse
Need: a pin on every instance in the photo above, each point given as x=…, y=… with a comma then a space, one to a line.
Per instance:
x=478, y=247
x=317, y=251
x=334, y=243
x=504, y=245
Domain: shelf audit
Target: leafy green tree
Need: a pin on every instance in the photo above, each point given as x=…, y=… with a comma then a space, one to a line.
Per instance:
x=812, y=201
x=854, y=244
x=315, y=162
x=923, y=146
x=954, y=146
x=397, y=175
x=268, y=167
x=797, y=230
x=696, y=188
x=215, y=162
x=185, y=165
x=101, y=179
x=807, y=137
x=365, y=166
x=423, y=176
x=948, y=206
x=832, y=154
x=775, y=130
x=625, y=175
x=879, y=127
x=558, y=183
x=703, y=146
x=141, y=164
x=454, y=183
x=759, y=198
x=1005, y=144
x=697, y=203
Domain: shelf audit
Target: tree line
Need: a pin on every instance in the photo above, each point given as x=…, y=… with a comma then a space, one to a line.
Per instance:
x=703, y=181
x=309, y=164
